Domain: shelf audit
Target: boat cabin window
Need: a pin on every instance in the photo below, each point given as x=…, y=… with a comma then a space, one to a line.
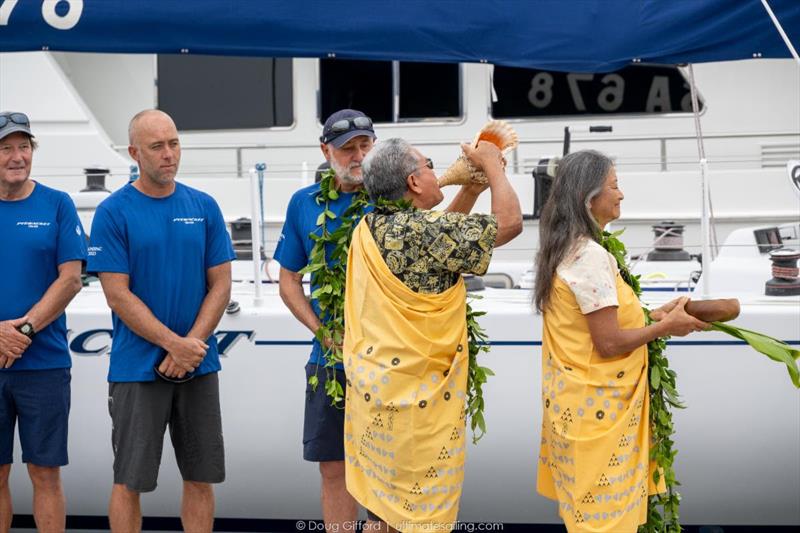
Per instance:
x=636, y=89
x=391, y=91
x=221, y=93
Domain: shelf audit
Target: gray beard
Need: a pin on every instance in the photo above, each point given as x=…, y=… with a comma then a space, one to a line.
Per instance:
x=344, y=174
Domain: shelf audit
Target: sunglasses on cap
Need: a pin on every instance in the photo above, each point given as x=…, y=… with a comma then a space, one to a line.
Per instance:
x=16, y=118
x=345, y=125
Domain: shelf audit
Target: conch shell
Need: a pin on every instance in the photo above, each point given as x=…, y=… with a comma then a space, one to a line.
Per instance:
x=497, y=132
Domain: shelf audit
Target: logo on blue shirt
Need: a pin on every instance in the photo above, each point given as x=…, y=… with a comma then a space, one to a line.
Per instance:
x=188, y=220
x=33, y=225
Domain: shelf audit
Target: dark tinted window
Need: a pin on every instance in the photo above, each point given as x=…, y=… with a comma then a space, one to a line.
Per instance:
x=212, y=92
x=362, y=85
x=429, y=90
x=425, y=90
x=634, y=89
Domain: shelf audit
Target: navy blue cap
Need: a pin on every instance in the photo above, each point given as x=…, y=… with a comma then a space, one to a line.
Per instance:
x=338, y=138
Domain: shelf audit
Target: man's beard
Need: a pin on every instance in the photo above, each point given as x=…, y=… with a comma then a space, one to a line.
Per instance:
x=162, y=178
x=345, y=174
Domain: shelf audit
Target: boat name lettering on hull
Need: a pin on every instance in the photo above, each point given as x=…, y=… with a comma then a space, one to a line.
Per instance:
x=226, y=340
x=79, y=345
x=86, y=343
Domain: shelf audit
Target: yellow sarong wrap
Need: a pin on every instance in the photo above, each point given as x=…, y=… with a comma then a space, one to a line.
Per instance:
x=406, y=361
x=594, y=455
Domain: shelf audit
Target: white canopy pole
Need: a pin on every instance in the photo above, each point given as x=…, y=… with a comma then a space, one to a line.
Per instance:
x=255, y=235
x=780, y=30
x=705, y=226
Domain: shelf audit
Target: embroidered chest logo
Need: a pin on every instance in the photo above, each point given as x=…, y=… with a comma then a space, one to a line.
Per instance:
x=187, y=220
x=32, y=224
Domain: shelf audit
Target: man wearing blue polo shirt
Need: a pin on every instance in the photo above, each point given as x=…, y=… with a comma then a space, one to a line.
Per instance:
x=163, y=256
x=42, y=246
x=347, y=136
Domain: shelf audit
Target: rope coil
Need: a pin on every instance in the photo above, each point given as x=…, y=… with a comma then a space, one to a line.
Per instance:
x=674, y=242
x=787, y=273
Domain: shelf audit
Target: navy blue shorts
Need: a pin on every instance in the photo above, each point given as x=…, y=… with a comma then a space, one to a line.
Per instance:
x=323, y=425
x=40, y=400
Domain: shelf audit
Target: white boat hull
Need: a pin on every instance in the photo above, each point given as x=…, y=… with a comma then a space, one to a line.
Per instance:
x=739, y=438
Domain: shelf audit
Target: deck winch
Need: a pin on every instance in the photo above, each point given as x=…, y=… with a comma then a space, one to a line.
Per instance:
x=95, y=179
x=668, y=243
x=785, y=274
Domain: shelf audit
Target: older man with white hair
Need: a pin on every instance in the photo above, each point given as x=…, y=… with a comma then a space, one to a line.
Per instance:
x=43, y=246
x=347, y=136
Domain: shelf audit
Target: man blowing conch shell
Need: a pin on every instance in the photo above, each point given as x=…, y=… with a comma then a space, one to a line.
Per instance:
x=405, y=349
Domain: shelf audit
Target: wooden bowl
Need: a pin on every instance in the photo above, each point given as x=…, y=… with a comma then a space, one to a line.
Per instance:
x=720, y=310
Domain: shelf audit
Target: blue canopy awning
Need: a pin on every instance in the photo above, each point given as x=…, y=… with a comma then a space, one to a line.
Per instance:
x=566, y=35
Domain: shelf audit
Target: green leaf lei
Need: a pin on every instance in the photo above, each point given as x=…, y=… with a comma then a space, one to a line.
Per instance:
x=477, y=342
x=663, y=396
x=329, y=274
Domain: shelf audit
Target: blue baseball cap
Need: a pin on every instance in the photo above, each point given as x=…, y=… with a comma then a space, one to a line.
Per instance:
x=344, y=125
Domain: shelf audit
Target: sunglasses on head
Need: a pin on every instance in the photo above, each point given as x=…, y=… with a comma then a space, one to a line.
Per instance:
x=16, y=118
x=348, y=124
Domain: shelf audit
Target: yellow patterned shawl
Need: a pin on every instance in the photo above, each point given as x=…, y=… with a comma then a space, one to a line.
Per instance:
x=406, y=358
x=595, y=424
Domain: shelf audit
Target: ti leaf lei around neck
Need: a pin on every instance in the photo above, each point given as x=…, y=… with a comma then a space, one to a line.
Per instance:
x=329, y=274
x=663, y=396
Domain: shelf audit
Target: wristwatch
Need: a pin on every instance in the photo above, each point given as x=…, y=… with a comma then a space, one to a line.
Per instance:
x=27, y=330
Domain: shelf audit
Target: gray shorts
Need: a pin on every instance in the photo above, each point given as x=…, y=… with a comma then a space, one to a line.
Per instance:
x=140, y=413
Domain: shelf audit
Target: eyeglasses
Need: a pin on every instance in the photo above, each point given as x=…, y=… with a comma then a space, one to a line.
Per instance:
x=345, y=125
x=428, y=163
x=16, y=118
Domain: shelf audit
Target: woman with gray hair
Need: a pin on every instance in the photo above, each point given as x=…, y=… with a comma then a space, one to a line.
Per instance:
x=595, y=446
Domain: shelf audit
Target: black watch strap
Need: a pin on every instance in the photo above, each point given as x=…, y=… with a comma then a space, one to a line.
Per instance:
x=27, y=330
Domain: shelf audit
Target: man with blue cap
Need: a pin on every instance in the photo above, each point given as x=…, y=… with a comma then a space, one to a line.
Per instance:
x=347, y=136
x=43, y=247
